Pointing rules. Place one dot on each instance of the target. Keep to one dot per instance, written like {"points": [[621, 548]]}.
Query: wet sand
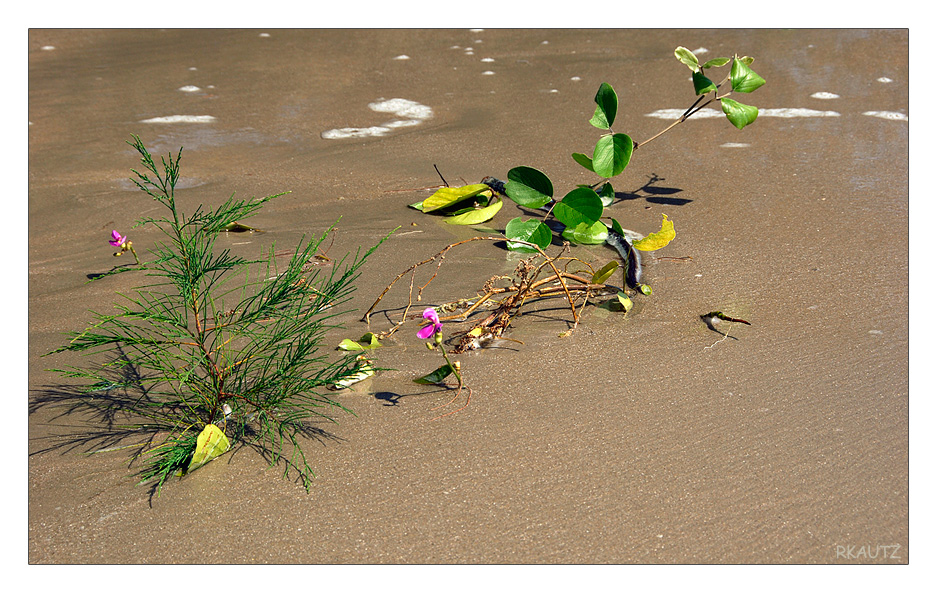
{"points": [[639, 440]]}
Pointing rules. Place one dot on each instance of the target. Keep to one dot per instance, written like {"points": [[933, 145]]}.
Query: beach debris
{"points": [[365, 371], [713, 318]]}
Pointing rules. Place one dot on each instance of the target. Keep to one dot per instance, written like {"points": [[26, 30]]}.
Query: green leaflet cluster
{"points": [[581, 210]]}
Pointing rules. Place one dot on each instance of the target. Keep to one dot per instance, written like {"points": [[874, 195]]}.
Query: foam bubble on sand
{"points": [[475, 30], [487, 73], [884, 79], [409, 113], [355, 132], [892, 115], [796, 112], [263, 35], [677, 113], [575, 78], [700, 50], [487, 59], [734, 145], [180, 119], [707, 113], [402, 57], [402, 108], [47, 47], [824, 95], [189, 88]]}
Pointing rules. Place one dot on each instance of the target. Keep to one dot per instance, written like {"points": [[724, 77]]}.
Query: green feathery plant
{"points": [[215, 356]]}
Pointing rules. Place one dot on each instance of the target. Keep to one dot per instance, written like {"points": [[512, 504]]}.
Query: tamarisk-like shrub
{"points": [[216, 351]]}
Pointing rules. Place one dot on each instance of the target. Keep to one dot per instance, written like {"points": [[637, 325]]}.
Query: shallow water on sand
{"points": [[648, 439]]}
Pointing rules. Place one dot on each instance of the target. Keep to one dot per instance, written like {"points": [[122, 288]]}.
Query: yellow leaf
{"points": [[657, 240], [602, 275], [211, 443], [447, 196]]}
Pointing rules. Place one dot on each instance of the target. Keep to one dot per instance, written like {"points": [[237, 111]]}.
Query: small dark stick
{"points": [[440, 175], [715, 317]]}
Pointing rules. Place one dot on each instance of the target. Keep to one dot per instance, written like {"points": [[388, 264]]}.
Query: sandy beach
{"points": [[645, 439]]}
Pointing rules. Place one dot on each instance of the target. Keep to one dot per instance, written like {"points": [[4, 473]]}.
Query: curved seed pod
{"points": [[630, 255]]}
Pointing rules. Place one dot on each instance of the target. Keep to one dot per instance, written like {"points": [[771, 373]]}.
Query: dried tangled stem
{"points": [[524, 285]]}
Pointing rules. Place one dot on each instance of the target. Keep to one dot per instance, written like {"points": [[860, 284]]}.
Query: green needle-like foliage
{"points": [[217, 339]]}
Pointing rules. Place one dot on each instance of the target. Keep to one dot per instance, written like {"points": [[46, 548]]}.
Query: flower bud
{"points": [[438, 338]]}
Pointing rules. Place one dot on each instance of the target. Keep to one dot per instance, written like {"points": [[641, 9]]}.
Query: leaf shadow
{"points": [[654, 193]]}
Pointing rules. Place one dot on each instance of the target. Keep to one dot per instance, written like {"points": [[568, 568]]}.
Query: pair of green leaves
{"points": [[580, 211], [612, 151], [446, 197], [743, 79]]}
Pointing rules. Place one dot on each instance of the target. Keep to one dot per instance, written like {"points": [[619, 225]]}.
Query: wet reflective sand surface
{"points": [[640, 440]]}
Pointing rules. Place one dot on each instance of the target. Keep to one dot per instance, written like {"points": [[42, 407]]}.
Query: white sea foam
{"points": [[824, 95], [677, 113], [180, 119], [47, 47], [487, 59], [893, 115], [402, 123], [402, 57], [575, 78], [700, 50], [355, 132], [884, 79], [734, 145], [189, 88], [707, 113], [796, 112], [410, 113], [487, 73], [263, 35], [402, 108]]}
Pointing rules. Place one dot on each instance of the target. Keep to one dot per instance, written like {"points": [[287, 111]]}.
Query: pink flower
{"points": [[117, 240], [434, 327]]}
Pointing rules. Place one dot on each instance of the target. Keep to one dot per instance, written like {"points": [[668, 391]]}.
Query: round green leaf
{"points": [[606, 195], [738, 114], [743, 79], [612, 154], [579, 205], [584, 233], [531, 231], [528, 187], [606, 110]]}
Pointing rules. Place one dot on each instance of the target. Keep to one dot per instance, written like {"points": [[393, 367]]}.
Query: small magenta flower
{"points": [[117, 240], [434, 328], [123, 244]]}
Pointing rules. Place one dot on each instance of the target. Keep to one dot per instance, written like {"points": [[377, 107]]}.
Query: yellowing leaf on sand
{"points": [[657, 240], [211, 443]]}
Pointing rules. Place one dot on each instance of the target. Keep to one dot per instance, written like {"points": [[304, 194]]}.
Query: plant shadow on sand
{"points": [[93, 420], [654, 193]]}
